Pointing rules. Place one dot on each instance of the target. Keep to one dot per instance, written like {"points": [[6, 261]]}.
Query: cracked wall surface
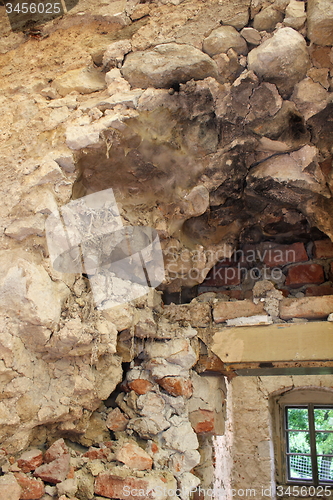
{"points": [[210, 120]]}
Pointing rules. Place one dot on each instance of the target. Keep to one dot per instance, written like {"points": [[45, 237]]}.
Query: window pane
{"points": [[299, 467], [298, 442], [325, 468], [324, 443], [297, 418], [323, 418]]}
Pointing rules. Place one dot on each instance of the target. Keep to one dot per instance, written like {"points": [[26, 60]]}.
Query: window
{"points": [[309, 443], [304, 437]]}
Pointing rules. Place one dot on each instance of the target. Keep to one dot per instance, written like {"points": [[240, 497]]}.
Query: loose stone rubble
{"points": [[210, 120]]}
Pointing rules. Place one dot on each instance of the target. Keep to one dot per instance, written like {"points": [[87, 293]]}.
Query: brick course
{"points": [[323, 249], [307, 307], [230, 310], [305, 274]]}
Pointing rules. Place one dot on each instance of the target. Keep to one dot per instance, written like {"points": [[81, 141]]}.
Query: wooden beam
{"points": [[287, 342]]}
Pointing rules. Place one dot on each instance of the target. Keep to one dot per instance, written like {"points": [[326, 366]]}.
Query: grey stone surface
{"points": [[267, 19], [320, 21], [222, 39], [167, 65], [282, 59]]}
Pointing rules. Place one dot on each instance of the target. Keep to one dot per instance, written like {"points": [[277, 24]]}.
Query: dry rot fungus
{"points": [[211, 123]]}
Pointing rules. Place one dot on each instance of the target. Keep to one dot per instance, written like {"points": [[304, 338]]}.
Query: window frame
{"points": [[296, 398]]}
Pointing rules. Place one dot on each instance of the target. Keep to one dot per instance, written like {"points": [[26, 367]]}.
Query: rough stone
{"points": [[295, 15], [150, 403], [320, 18], [167, 65], [290, 170], [115, 53], [222, 39], [83, 80], [55, 471], [282, 59], [156, 484], [55, 451], [265, 100], [30, 459], [32, 489], [230, 310], [177, 386], [177, 351], [30, 286], [307, 307], [9, 487], [196, 313], [267, 19], [251, 35], [228, 66], [134, 457], [203, 421], [180, 436], [67, 488], [310, 97], [140, 386], [183, 462], [148, 427], [116, 420], [26, 226]]}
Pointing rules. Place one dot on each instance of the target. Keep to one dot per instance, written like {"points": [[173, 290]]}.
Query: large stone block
{"points": [[320, 21], [167, 65], [282, 59], [222, 39]]}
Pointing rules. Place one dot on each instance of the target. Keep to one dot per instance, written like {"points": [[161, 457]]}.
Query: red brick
{"points": [[134, 457], [55, 471], [116, 420], [111, 486], [57, 449], [203, 421], [305, 274], [97, 453], [177, 386], [320, 290], [323, 249], [230, 310], [30, 459], [223, 276], [281, 255], [306, 307], [32, 489], [140, 386], [272, 254]]}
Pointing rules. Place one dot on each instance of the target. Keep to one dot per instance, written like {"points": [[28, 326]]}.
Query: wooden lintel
{"points": [[288, 342]]}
